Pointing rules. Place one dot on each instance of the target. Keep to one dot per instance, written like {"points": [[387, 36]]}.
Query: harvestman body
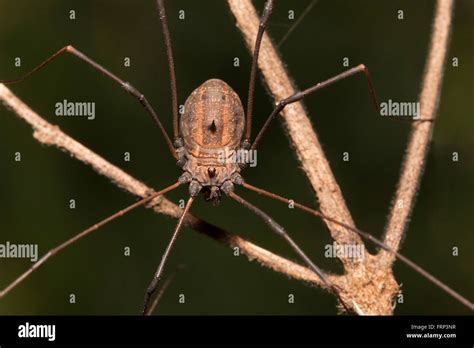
{"points": [[214, 123]]}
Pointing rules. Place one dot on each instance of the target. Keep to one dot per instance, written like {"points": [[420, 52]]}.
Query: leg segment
{"points": [[156, 278], [279, 230], [267, 10], [128, 87], [300, 95], [374, 240], [84, 233], [169, 53]]}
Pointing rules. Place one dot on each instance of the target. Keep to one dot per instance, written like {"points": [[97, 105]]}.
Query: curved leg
{"points": [[128, 87], [300, 95]]}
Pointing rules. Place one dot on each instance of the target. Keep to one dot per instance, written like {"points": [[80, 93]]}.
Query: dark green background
{"points": [[35, 192]]}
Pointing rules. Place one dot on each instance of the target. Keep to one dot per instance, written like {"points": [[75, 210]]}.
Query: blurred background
{"points": [[35, 192]]}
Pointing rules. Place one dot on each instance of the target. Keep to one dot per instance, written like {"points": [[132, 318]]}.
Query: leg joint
{"points": [[362, 67], [291, 99], [70, 48]]}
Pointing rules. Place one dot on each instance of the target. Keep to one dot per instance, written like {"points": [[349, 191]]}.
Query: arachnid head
{"points": [[212, 193]]}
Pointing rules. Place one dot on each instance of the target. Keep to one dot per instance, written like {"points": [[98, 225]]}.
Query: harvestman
{"points": [[213, 123]]}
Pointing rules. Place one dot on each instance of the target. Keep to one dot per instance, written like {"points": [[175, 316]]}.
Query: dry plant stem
{"points": [[49, 134], [298, 125], [371, 283], [382, 284], [368, 288], [421, 132]]}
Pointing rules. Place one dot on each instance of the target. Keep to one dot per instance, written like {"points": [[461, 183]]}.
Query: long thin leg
{"points": [[84, 233], [296, 23], [128, 87], [300, 95], [267, 10], [279, 230], [156, 278], [374, 240], [169, 53]]}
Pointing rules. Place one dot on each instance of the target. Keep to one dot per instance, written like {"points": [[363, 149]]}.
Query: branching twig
{"points": [[369, 285], [421, 132]]}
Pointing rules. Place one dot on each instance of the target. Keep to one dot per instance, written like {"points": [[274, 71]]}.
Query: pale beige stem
{"points": [[421, 132], [370, 284], [367, 287]]}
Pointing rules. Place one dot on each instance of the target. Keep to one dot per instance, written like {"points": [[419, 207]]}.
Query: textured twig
{"points": [[369, 285], [49, 134], [421, 132], [367, 288], [298, 126]]}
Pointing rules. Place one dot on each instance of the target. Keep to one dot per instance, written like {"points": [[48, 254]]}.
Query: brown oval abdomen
{"points": [[213, 119]]}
